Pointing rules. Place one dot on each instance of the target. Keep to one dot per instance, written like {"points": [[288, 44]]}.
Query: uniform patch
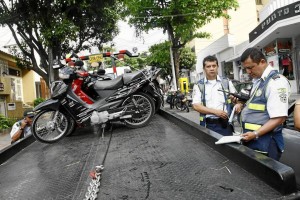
{"points": [[282, 94], [258, 92]]}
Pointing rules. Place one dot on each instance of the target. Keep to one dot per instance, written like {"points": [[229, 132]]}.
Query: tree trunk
{"points": [[176, 63]]}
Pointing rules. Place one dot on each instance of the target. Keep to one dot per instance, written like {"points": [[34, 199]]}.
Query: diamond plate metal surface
{"points": [[159, 161]]}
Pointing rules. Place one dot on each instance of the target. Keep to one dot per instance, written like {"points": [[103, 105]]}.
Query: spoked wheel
{"points": [[177, 103], [50, 126], [145, 110]]}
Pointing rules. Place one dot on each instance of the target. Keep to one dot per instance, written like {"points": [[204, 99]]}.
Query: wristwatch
{"points": [[256, 134]]}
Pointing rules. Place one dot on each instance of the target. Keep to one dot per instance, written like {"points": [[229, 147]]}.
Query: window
{"points": [[3, 68], [16, 89]]}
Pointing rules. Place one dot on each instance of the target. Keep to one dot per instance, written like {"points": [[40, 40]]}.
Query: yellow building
{"points": [[17, 87]]}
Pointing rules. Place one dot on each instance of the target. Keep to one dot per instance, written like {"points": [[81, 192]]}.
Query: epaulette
{"points": [[276, 76]]}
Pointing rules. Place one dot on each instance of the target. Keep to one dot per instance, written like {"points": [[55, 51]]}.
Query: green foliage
{"points": [[6, 122], [187, 59], [181, 19], [135, 63], [160, 57], [50, 28], [38, 101]]}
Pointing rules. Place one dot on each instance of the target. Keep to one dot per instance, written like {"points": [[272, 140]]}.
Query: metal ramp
{"points": [[159, 161]]}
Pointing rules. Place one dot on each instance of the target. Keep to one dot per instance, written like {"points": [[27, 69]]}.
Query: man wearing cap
{"points": [[22, 128]]}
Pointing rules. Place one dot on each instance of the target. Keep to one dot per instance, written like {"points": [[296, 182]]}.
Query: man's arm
{"points": [[277, 107], [297, 115], [17, 130], [266, 128], [204, 110]]}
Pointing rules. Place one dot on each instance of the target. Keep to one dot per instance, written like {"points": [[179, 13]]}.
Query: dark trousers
{"points": [[219, 129], [273, 151]]}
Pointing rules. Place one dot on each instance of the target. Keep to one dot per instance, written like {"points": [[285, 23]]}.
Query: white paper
{"points": [[232, 114], [229, 139]]}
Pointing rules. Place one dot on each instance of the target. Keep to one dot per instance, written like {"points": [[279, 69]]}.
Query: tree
{"points": [[50, 28], [160, 54], [160, 57], [187, 58], [179, 18]]}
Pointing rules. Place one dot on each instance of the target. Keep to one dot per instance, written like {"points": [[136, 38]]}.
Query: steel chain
{"points": [[93, 188]]}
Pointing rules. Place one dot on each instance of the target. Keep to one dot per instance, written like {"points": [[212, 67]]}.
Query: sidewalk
{"points": [[4, 139]]}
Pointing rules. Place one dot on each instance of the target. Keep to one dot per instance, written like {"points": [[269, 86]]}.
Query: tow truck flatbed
{"points": [[159, 161]]}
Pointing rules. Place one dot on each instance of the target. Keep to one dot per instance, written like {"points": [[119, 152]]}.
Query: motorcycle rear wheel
{"points": [[49, 126], [146, 104]]}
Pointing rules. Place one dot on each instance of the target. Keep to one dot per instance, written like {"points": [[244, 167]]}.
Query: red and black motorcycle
{"points": [[79, 100]]}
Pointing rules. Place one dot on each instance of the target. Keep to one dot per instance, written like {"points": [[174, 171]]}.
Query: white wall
{"points": [[243, 20]]}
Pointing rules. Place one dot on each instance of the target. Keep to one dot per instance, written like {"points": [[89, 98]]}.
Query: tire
{"points": [[72, 127], [158, 104], [177, 103], [46, 130], [145, 103]]}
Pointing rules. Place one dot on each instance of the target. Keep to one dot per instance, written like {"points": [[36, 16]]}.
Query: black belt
{"points": [[213, 120]]}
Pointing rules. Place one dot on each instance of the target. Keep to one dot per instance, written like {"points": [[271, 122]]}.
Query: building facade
{"points": [[272, 26], [17, 87]]}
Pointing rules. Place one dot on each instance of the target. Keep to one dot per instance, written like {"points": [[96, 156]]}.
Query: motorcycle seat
{"points": [[131, 76], [113, 84]]}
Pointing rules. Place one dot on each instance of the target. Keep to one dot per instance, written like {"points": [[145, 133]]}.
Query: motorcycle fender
{"points": [[150, 90], [49, 103]]}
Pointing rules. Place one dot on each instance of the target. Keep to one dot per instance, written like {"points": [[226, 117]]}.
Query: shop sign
{"points": [[285, 12]]}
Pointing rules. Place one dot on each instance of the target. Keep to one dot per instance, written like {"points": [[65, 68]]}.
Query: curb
{"points": [[279, 176]]}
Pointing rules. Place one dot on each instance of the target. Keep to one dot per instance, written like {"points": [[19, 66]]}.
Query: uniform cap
{"points": [[28, 113]]}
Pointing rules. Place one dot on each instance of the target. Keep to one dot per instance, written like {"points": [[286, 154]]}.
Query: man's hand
{"points": [[238, 108], [23, 123], [248, 136], [221, 113]]}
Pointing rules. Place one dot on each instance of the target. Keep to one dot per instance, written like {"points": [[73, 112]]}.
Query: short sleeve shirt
{"points": [[16, 127], [214, 98], [277, 94]]}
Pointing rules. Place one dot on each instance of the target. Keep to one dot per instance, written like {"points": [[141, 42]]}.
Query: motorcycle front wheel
{"points": [[49, 126], [145, 107]]}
